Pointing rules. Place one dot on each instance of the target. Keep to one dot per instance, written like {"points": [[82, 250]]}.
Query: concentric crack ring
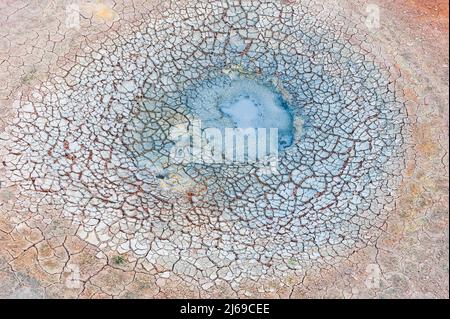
{"points": [[97, 141]]}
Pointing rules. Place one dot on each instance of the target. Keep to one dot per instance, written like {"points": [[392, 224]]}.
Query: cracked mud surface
{"points": [[92, 207]]}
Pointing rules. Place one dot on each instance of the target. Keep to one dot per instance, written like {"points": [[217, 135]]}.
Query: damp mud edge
{"points": [[240, 102]]}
